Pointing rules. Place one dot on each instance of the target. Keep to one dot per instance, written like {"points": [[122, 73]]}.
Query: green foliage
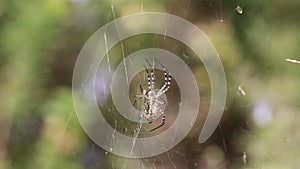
{"points": [[40, 41]]}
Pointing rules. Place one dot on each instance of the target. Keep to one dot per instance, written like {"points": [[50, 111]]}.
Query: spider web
{"points": [[246, 136]]}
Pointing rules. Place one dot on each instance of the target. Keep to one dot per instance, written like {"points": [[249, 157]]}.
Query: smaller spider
{"points": [[152, 102]]}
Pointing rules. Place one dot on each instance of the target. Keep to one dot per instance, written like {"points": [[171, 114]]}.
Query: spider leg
{"points": [[160, 101], [134, 101], [162, 122], [167, 83], [138, 96], [141, 88], [168, 79], [148, 78], [151, 76]]}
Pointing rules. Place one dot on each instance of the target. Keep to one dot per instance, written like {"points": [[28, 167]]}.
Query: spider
{"points": [[152, 101]]}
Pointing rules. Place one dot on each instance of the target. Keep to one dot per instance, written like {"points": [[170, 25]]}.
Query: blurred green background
{"points": [[39, 44]]}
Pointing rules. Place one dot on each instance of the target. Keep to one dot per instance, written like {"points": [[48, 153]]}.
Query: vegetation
{"points": [[40, 41]]}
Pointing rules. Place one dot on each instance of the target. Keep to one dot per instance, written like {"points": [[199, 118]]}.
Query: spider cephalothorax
{"points": [[152, 101]]}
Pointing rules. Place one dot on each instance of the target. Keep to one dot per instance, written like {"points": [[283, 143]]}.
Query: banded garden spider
{"points": [[152, 100]]}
